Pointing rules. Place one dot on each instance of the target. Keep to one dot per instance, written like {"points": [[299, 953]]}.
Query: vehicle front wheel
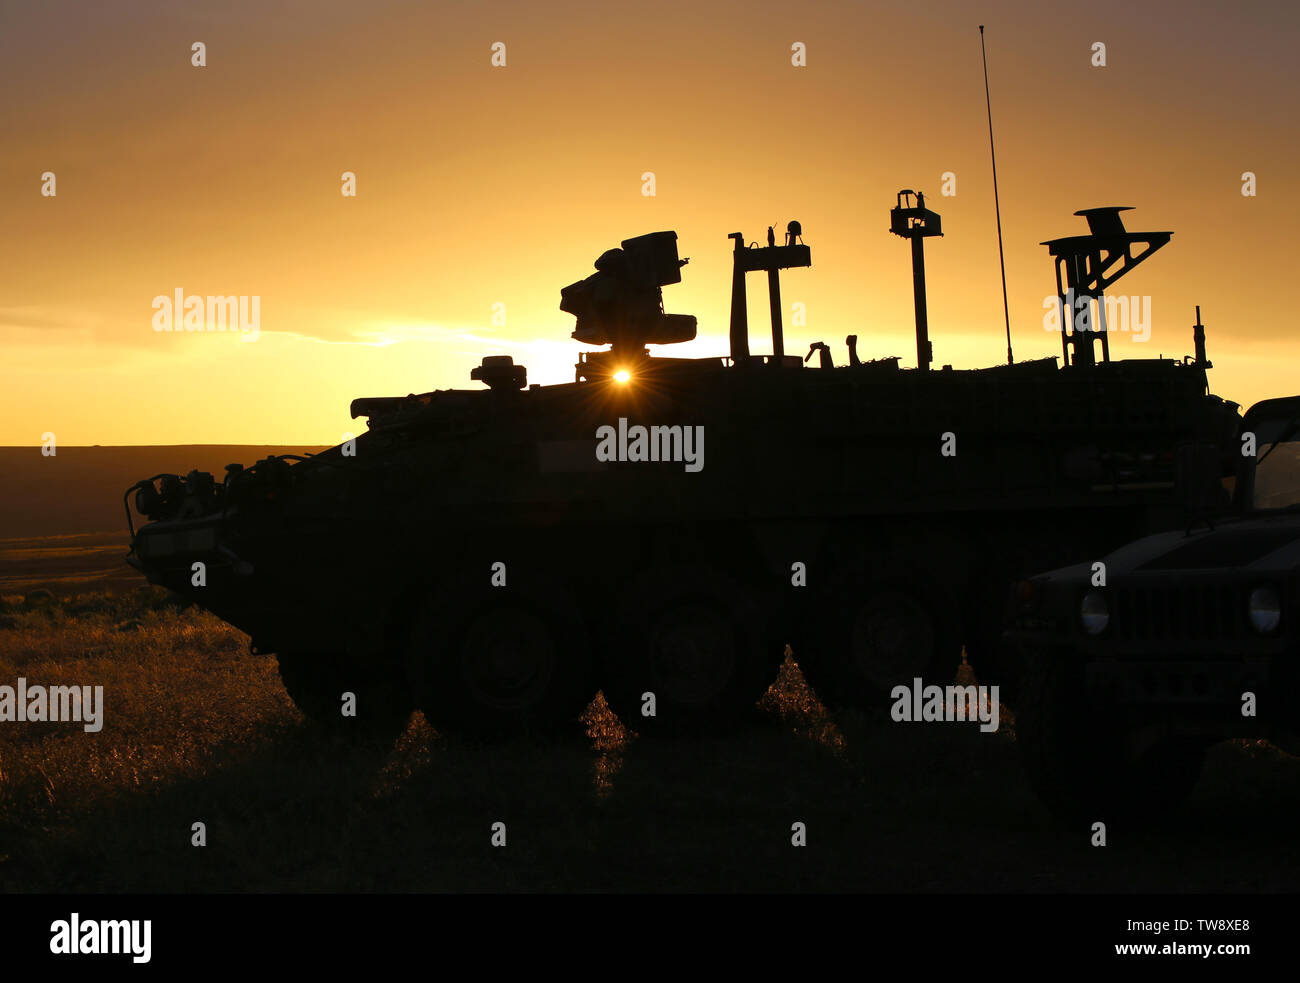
{"points": [[345, 696]]}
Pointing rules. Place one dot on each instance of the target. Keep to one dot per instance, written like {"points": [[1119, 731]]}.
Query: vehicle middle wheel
{"points": [[499, 666], [692, 646]]}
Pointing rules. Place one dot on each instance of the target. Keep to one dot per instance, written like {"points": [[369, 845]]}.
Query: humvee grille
{"points": [[1209, 613]]}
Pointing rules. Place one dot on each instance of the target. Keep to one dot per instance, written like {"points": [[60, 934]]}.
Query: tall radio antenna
{"points": [[997, 208]]}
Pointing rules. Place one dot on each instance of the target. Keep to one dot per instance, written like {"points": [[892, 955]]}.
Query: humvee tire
{"points": [[1079, 756]]}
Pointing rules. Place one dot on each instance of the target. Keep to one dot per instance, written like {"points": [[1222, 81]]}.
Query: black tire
{"points": [[1286, 741], [861, 647], [699, 643], [317, 682], [1078, 755], [502, 662]]}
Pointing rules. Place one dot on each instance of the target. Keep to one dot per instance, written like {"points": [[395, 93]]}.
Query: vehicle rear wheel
{"points": [[500, 665], [320, 683], [692, 646], [1080, 757], [859, 652]]}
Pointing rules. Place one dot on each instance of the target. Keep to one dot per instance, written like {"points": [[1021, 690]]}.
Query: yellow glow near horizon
{"points": [[473, 210], [622, 375]]}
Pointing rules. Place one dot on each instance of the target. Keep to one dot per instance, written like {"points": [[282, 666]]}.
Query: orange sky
{"points": [[481, 185]]}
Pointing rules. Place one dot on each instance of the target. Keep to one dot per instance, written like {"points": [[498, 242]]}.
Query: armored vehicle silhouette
{"points": [[661, 528], [1137, 662]]}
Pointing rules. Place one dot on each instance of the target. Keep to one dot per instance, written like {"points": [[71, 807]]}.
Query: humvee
{"points": [[1134, 664]]}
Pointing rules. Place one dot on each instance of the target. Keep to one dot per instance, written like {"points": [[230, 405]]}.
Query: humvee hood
{"points": [[1264, 543]]}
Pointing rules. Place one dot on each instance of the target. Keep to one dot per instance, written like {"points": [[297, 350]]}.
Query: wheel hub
{"points": [[508, 657], [893, 640], [694, 653]]}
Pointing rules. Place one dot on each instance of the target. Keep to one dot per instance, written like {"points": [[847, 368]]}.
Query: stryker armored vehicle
{"points": [[661, 528], [1136, 662]]}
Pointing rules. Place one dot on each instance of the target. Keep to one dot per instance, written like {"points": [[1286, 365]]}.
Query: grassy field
{"points": [[73, 564], [196, 729]]}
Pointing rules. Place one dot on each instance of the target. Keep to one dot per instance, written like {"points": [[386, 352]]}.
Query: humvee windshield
{"points": [[1277, 468]]}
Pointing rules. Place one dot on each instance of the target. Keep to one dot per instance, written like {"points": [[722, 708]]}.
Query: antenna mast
{"points": [[997, 208]]}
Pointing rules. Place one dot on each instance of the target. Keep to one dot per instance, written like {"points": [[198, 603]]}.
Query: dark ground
{"points": [[198, 730], [79, 489]]}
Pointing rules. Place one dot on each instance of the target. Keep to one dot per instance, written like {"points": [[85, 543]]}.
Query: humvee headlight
{"points": [[1094, 612], [1265, 609]]}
